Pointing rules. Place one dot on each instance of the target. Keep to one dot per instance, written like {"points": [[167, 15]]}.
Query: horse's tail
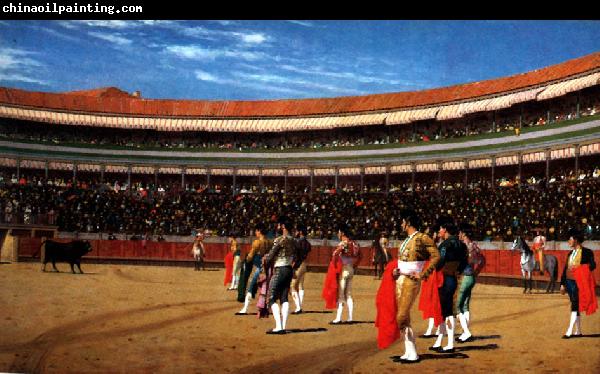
{"points": [[555, 270]]}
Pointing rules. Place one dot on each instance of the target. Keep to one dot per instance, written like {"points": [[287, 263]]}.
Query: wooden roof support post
{"points": [[520, 169], [413, 171], [233, 184], [466, 166], [312, 181], [362, 178], [577, 153], [547, 155], [493, 170], [387, 179]]}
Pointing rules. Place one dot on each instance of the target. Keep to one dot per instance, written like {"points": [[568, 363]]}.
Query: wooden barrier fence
{"points": [[498, 261]]}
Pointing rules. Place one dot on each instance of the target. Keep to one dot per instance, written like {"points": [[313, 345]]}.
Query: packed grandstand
{"points": [[507, 155]]}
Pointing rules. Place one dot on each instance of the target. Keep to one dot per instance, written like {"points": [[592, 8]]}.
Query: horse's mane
{"points": [[524, 245]]}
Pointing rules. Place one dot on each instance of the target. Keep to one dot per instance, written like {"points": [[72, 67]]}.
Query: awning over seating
{"points": [[572, 85]]}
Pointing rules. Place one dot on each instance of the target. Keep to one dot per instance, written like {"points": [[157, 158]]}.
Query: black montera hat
{"points": [[285, 220], [411, 217], [576, 234]]}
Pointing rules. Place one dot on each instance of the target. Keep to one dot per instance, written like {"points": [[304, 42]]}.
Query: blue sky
{"points": [[254, 60]]}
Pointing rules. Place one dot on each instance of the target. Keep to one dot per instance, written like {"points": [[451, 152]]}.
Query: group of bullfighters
{"points": [[422, 270]]}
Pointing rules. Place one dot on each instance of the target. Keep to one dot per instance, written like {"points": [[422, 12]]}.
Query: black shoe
{"points": [[426, 336], [566, 336], [298, 312], [240, 314], [435, 349], [451, 350], [335, 323], [469, 339]]}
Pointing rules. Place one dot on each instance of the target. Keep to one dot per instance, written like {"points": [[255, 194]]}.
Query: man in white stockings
{"points": [[303, 248], [414, 251], [453, 261], [349, 252], [281, 258], [577, 280]]}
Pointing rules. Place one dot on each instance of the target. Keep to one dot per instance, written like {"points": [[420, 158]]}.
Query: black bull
{"points": [[66, 252]]}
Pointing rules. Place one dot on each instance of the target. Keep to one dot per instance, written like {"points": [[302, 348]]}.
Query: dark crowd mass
{"points": [[496, 213]]}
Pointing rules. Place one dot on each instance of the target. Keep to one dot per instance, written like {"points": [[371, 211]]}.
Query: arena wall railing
{"points": [[500, 260]]}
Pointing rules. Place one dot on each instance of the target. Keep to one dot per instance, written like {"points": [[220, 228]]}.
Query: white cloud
{"points": [[253, 38], [200, 53], [204, 76], [349, 76], [16, 77], [69, 24], [263, 86], [197, 32], [113, 38], [16, 65], [111, 24], [302, 23], [225, 22], [58, 34], [279, 79], [13, 58], [163, 23], [213, 34]]}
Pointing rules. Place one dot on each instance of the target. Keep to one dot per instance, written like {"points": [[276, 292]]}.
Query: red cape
{"points": [[228, 268], [586, 284], [386, 309], [429, 300], [330, 287]]}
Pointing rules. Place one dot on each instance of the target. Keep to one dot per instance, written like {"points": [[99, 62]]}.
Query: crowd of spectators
{"points": [[507, 120], [567, 200]]}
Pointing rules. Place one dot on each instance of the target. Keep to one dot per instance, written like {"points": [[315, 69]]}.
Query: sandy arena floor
{"points": [[124, 319]]}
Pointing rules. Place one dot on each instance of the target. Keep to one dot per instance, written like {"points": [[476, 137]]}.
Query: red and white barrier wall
{"points": [[499, 261]]}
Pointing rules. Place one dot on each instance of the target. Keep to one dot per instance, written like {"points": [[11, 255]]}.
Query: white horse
{"points": [[529, 264]]}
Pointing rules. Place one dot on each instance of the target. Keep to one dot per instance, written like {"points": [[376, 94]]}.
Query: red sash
{"points": [[586, 285], [385, 321]]}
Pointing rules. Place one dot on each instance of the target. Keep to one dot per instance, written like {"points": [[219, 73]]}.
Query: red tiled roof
{"points": [[100, 92], [114, 101]]}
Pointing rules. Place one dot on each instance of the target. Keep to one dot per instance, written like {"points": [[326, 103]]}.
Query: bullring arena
{"points": [[123, 318], [129, 175]]}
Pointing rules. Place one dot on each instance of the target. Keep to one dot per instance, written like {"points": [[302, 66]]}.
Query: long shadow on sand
{"points": [[441, 356], [486, 337], [68, 273], [314, 329], [486, 347], [352, 322], [585, 336]]}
